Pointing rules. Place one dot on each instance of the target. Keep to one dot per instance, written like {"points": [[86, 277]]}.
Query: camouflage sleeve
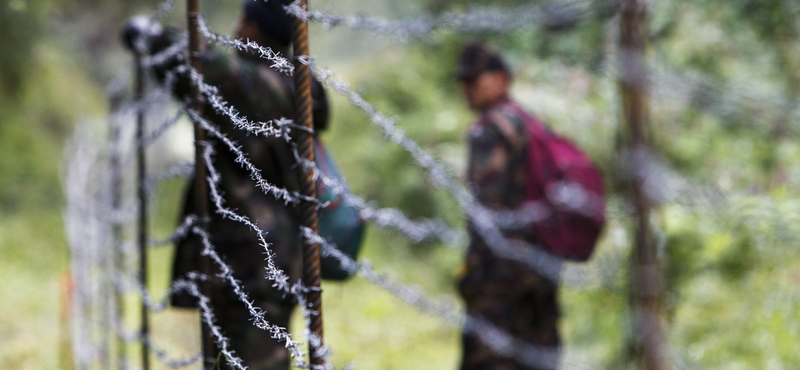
{"points": [[320, 106], [497, 160], [218, 68], [498, 176], [257, 92]]}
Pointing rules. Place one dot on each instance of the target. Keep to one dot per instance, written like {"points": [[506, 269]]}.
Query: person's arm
{"points": [[142, 35], [499, 172], [165, 47], [497, 161], [321, 109]]}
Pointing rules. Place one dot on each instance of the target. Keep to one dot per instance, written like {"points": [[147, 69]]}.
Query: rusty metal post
{"points": [[200, 185], [647, 342], [141, 193], [303, 117]]}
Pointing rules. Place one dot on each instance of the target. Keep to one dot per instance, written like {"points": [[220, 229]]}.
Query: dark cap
{"points": [[476, 58], [271, 18]]}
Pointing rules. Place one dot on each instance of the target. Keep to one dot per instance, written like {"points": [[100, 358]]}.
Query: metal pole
{"points": [[200, 185], [141, 193], [311, 256], [647, 344]]}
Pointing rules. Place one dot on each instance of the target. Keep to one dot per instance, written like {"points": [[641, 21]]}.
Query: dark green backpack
{"points": [[340, 223]]}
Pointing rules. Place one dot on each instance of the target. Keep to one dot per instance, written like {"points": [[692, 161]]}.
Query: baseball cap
{"points": [[476, 58]]}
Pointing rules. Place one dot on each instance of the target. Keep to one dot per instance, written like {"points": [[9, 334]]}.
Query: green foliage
{"points": [[429, 114], [21, 23]]}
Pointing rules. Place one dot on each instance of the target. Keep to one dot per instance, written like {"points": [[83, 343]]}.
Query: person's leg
{"points": [[529, 326], [257, 349], [476, 353]]}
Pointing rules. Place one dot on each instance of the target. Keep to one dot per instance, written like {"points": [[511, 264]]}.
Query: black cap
{"points": [[271, 18], [476, 58]]}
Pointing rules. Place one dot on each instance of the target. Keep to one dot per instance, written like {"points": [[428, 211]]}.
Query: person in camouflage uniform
{"points": [[504, 293], [249, 84]]}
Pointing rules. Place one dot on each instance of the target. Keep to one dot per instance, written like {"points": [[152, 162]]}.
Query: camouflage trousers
{"points": [[257, 349], [528, 313], [244, 255], [536, 347]]}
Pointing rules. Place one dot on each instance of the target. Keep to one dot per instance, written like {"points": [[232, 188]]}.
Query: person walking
{"points": [[504, 293], [260, 93]]}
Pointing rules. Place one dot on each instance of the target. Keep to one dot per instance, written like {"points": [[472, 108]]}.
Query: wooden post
{"points": [[311, 255], [647, 341]]}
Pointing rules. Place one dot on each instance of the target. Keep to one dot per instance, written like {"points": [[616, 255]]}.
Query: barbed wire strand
{"points": [[164, 8], [280, 63], [279, 128], [177, 171], [179, 233], [415, 230], [207, 315], [161, 354], [172, 53], [553, 15], [288, 197], [159, 131]]}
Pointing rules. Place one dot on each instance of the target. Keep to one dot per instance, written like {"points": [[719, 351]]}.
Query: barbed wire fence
{"points": [[101, 207]]}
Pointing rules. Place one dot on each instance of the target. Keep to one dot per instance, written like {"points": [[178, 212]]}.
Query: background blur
{"points": [[724, 116]]}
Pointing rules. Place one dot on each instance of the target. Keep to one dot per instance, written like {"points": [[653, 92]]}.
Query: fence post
{"points": [[141, 194], [647, 342], [200, 185], [118, 263], [311, 254]]}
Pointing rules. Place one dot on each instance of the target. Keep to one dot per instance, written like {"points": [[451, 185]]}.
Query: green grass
{"points": [[30, 327]]}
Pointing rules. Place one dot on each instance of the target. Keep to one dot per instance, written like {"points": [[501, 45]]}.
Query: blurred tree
{"points": [[21, 24]]}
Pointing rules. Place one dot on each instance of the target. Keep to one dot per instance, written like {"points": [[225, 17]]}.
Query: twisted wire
{"points": [[552, 15], [179, 170], [279, 62]]}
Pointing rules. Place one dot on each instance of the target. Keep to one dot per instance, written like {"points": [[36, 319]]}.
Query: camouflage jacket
{"points": [[497, 174], [261, 94]]}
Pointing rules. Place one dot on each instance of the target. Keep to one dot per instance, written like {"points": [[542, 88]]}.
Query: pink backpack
{"points": [[564, 179]]}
